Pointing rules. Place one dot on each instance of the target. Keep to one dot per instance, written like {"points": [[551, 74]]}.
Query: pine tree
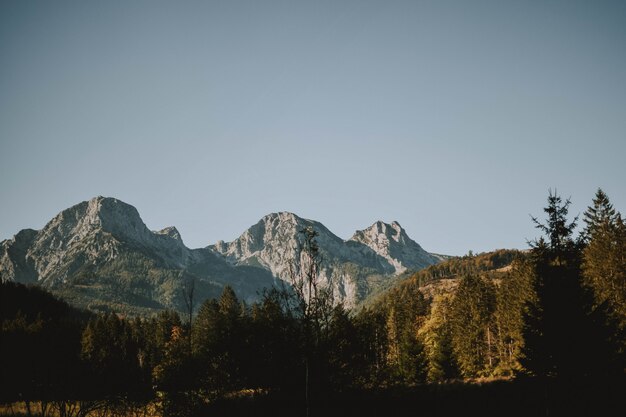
{"points": [[561, 337], [513, 294], [435, 335], [560, 246], [206, 328], [598, 216], [473, 336], [604, 256]]}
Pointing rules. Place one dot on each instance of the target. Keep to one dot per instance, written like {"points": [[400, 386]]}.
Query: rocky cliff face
{"points": [[14, 264], [391, 242], [379, 250], [272, 242], [92, 232]]}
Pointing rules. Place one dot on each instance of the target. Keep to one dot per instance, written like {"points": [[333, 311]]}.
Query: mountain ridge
{"points": [[102, 245]]}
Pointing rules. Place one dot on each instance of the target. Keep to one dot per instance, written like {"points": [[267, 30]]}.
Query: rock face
{"points": [[95, 231], [100, 252], [14, 264], [92, 232], [380, 250], [391, 242]]}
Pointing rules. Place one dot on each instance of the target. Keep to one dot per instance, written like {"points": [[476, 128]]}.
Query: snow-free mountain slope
{"points": [[101, 252], [391, 242], [380, 250]]}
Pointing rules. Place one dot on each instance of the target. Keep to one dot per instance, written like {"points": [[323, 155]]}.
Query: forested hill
{"points": [[444, 276]]}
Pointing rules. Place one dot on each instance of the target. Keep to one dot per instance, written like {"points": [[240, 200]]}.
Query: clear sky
{"points": [[451, 117]]}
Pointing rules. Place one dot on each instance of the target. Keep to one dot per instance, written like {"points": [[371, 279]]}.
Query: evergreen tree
{"points": [[561, 246], [604, 256], [206, 328], [176, 376], [218, 341], [561, 337], [372, 346], [473, 336], [111, 353], [436, 338], [513, 294], [274, 358]]}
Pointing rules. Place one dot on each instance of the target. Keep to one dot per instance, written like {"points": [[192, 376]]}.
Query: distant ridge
{"points": [[99, 254]]}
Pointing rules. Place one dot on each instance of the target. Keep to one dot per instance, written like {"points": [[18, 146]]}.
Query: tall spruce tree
{"points": [[473, 335], [561, 337], [435, 335], [550, 325], [512, 296], [604, 256]]}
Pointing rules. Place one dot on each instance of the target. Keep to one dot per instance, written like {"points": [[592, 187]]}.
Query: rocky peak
{"points": [[96, 231], [100, 213], [271, 244], [393, 243], [275, 229], [172, 232], [118, 218], [380, 234]]}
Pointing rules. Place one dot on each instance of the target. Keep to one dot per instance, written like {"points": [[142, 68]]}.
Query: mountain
{"points": [[100, 255], [352, 267], [391, 242]]}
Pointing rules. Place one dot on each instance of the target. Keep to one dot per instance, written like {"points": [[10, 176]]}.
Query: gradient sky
{"points": [[451, 117]]}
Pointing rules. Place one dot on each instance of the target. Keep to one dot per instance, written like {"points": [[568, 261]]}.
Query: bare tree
{"points": [[311, 300]]}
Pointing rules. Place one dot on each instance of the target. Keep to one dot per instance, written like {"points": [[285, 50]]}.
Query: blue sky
{"points": [[451, 117]]}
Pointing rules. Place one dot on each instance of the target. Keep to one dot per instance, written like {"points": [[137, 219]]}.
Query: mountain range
{"points": [[100, 255]]}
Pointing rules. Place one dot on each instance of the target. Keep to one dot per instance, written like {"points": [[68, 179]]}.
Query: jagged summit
{"points": [[381, 249], [383, 232], [170, 231], [98, 214], [271, 241], [393, 243], [92, 232]]}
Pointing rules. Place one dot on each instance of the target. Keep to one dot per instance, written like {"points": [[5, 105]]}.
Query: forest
{"points": [[535, 332]]}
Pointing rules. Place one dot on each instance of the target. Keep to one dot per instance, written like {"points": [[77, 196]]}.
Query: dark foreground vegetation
{"points": [[520, 397], [534, 333]]}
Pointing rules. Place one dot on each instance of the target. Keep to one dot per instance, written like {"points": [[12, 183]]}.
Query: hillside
{"points": [[443, 277]]}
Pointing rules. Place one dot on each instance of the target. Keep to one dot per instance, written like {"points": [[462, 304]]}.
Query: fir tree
{"points": [[561, 337], [436, 338], [604, 256], [473, 336]]}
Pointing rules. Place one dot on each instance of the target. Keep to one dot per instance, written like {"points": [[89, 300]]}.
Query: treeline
{"points": [[469, 263], [72, 364], [558, 310]]}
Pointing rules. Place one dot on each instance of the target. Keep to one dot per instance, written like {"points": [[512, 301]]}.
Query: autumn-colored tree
{"points": [[436, 338], [473, 330]]}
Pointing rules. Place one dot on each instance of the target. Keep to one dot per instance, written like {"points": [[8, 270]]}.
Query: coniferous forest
{"points": [[540, 331]]}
